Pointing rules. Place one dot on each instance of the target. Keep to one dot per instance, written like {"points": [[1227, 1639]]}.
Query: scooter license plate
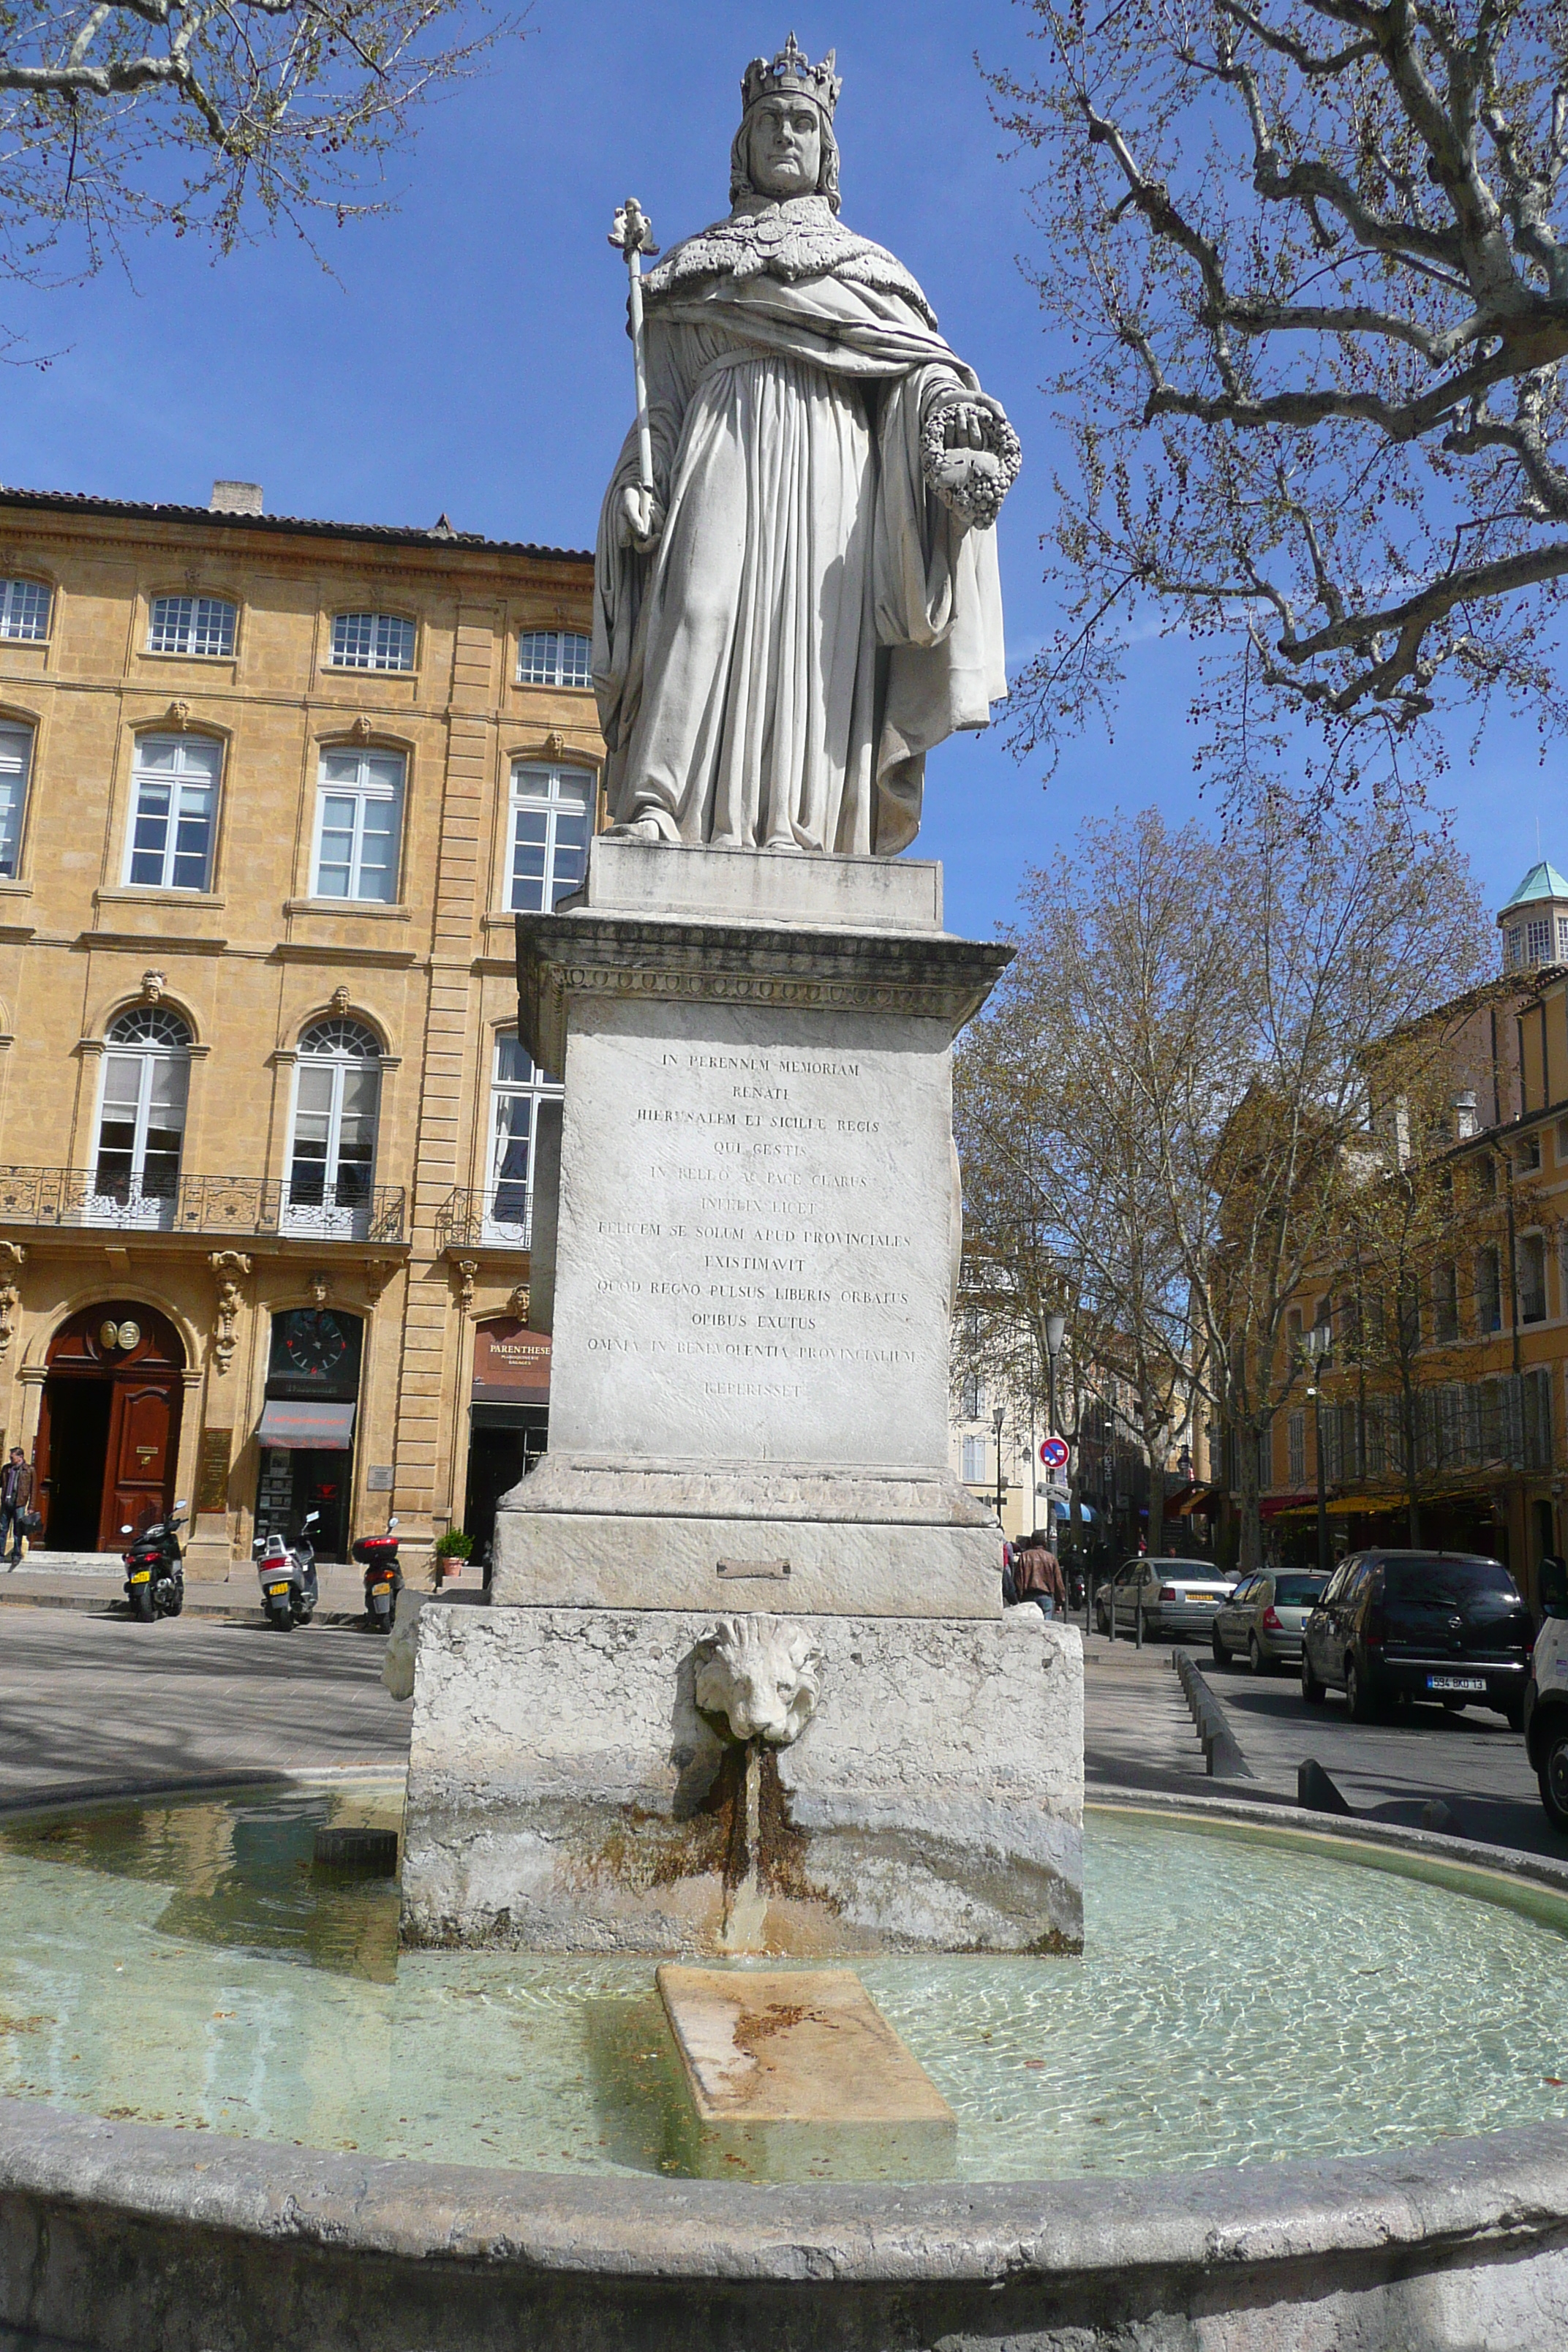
{"points": [[141, 1576], [379, 1589], [274, 1589]]}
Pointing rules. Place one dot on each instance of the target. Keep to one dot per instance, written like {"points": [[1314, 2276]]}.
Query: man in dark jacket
{"points": [[15, 1502]]}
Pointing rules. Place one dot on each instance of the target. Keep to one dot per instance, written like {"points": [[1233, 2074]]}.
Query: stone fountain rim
{"points": [[1506, 2188]]}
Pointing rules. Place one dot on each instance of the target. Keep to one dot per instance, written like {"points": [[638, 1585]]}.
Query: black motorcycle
{"points": [[155, 1569]]}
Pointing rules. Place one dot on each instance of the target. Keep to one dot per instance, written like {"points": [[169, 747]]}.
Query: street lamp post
{"points": [[1055, 1326], [997, 1420], [1320, 1346]]}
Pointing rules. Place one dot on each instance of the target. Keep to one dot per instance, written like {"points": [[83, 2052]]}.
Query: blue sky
{"points": [[469, 356]]}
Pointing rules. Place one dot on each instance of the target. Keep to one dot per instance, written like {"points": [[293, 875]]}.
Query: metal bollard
{"points": [[1138, 1621]]}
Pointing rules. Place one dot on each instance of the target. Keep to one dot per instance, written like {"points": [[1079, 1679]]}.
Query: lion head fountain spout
{"points": [[760, 1676]]}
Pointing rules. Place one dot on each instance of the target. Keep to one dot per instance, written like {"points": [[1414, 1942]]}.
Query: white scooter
{"points": [[290, 1590]]}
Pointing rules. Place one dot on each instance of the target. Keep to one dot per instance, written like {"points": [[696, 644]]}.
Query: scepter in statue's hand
{"points": [[641, 514]]}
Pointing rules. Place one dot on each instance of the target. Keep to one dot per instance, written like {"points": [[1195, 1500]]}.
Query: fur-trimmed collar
{"points": [[799, 239]]}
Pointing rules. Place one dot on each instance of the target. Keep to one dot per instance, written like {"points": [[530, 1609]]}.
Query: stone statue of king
{"points": [[808, 600]]}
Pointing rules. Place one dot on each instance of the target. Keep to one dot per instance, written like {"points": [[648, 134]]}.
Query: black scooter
{"points": [[377, 1555], [155, 1569], [290, 1588]]}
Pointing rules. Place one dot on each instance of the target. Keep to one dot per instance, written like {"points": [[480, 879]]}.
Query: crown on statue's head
{"points": [[791, 75]]}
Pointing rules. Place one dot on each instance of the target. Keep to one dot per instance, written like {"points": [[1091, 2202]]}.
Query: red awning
{"points": [[1274, 1506], [307, 1427]]}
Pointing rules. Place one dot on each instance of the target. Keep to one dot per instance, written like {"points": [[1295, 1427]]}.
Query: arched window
{"points": [[517, 1089], [142, 1118], [199, 625], [554, 658], [372, 641], [332, 1154], [16, 760]]}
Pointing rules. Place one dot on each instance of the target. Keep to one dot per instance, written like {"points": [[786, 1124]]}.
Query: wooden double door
{"points": [[109, 1436]]}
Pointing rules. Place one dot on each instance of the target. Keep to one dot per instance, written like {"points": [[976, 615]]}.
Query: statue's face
{"points": [[785, 150]]}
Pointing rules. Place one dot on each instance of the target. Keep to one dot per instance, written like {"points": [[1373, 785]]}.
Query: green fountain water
{"points": [[1242, 1998]]}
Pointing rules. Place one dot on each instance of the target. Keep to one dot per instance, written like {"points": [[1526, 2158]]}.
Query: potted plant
{"points": [[450, 1551]]}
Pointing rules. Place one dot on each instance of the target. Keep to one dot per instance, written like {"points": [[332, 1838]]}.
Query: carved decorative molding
{"points": [[555, 745], [341, 1000], [12, 1257], [361, 730], [231, 1268], [377, 1272], [518, 1302], [152, 986], [320, 1285], [466, 1269], [761, 1675], [179, 716]]}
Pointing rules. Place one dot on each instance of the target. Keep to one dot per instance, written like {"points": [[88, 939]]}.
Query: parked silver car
{"points": [[1262, 1620], [1179, 1596]]}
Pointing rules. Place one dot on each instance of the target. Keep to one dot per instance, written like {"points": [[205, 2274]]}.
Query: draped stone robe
{"points": [[813, 620]]}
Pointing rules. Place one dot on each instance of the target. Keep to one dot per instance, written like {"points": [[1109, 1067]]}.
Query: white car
{"points": [[1179, 1596]]}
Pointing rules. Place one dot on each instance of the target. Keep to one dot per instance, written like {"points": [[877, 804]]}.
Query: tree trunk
{"points": [[1250, 1559], [1156, 1504]]}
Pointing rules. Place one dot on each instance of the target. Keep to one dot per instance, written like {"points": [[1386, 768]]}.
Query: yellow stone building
{"points": [[270, 794]]}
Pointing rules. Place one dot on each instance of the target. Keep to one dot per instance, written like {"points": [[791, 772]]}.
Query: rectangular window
{"points": [[1445, 1304], [358, 825], [517, 1090], [175, 812], [1537, 939], [1515, 946], [1489, 1291], [554, 658], [1266, 1457], [203, 626], [16, 758], [551, 818], [1528, 1159], [24, 611], [973, 1398], [974, 1471], [1532, 1278], [1296, 1436], [1562, 938], [372, 641]]}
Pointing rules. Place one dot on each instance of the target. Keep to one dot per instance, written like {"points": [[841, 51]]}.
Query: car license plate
{"points": [[274, 1589], [1471, 1683], [379, 1589], [141, 1576]]}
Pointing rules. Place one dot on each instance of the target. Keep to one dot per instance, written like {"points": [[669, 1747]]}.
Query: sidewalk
{"points": [[94, 1582]]}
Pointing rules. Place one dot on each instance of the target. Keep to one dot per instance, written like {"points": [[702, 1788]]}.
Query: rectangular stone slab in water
{"points": [[793, 2074]]}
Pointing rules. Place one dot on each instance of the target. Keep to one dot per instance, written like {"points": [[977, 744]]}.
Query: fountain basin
{"points": [[114, 2231]]}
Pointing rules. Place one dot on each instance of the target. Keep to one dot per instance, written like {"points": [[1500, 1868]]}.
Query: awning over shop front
{"points": [[314, 1427], [1202, 1501], [1279, 1506]]}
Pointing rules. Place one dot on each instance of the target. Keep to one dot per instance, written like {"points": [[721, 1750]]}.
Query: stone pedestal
{"points": [[746, 1235]]}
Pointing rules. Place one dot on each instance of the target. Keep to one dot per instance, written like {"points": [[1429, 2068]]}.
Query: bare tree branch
{"points": [[1312, 258], [209, 117]]}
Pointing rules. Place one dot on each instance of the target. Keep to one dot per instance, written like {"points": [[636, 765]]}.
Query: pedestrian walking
{"points": [[1037, 1576], [16, 1506]]}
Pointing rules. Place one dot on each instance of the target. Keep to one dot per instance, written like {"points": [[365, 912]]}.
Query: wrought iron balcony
{"points": [[69, 1198], [500, 1218]]}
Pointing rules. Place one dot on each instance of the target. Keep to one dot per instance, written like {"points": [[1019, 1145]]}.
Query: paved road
{"points": [[90, 1703], [1138, 1734]]}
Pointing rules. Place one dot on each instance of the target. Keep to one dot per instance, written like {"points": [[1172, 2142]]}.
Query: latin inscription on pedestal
{"points": [[766, 1276]]}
